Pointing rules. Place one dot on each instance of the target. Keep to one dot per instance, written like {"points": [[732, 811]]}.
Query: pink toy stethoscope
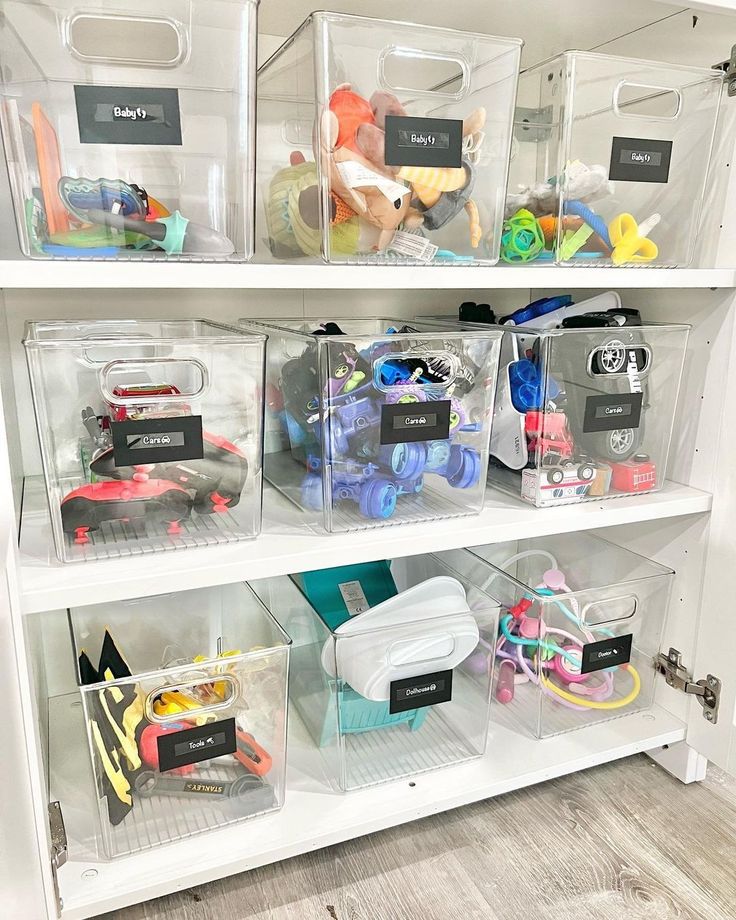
{"points": [[555, 653]]}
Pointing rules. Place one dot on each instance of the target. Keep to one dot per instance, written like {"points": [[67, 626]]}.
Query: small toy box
{"points": [[150, 433], [609, 162], [585, 401], [387, 674], [385, 142], [129, 128], [185, 705], [580, 625], [373, 421]]}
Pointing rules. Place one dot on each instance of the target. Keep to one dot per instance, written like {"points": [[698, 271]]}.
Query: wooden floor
{"points": [[619, 842]]}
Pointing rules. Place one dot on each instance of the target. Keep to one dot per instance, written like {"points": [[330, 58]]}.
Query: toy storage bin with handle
{"points": [[387, 674], [130, 134], [610, 160], [373, 421], [150, 433], [585, 399], [185, 702], [580, 626], [385, 142]]}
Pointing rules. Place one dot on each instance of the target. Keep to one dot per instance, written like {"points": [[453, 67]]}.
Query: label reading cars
{"points": [[191, 745], [609, 412], [412, 141], [634, 159], [157, 440], [606, 654], [419, 421], [128, 115], [417, 692]]}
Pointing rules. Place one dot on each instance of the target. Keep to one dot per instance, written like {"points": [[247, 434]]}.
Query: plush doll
{"points": [[366, 185]]}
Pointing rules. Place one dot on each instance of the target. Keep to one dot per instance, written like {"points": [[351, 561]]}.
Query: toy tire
{"points": [[556, 476], [408, 460], [378, 499], [312, 492], [616, 445], [610, 358], [586, 472], [438, 456], [463, 468]]}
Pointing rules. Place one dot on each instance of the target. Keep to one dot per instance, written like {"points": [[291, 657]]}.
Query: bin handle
{"points": [[619, 106], [445, 357], [399, 644], [194, 713], [417, 54], [137, 400], [584, 613], [146, 22]]}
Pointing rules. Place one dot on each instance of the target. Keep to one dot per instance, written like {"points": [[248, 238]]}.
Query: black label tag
{"points": [[191, 745], [128, 115], [157, 440], [634, 159], [423, 141], [417, 692], [607, 413], [427, 421], [606, 654]]}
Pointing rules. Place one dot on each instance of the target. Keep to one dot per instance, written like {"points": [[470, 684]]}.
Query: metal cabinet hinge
{"points": [[707, 692], [58, 846], [533, 125], [729, 71]]}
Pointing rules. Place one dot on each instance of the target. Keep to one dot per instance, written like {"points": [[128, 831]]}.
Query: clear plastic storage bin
{"points": [[373, 421], [387, 673], [185, 705], [385, 142], [129, 128], [583, 414], [150, 433], [580, 626], [610, 159]]}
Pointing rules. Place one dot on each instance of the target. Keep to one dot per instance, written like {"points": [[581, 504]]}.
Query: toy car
{"points": [[638, 474], [119, 412], [155, 501], [568, 482], [549, 438], [215, 481]]}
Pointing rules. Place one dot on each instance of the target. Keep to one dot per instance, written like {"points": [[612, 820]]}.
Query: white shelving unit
{"points": [[688, 525]]}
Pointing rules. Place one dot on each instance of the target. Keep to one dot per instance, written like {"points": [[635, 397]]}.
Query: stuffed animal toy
{"points": [[365, 184]]}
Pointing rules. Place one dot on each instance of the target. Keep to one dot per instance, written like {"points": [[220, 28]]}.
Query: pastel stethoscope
{"points": [[554, 652]]}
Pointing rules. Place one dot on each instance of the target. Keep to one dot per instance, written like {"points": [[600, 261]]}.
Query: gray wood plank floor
{"points": [[620, 841]]}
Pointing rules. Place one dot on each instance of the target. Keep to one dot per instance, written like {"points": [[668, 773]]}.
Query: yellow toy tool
{"points": [[629, 239]]}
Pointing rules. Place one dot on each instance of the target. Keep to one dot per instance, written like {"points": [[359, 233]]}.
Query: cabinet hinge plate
{"points": [[533, 125], [729, 71], [58, 846], [707, 691]]}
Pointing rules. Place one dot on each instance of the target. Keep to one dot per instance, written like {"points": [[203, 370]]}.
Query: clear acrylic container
{"points": [[580, 625], [610, 159], [150, 433], [582, 414], [401, 688], [384, 424], [188, 731], [385, 142], [129, 131]]}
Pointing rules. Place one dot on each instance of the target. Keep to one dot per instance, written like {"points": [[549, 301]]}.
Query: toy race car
{"points": [[153, 402], [142, 504], [215, 481]]}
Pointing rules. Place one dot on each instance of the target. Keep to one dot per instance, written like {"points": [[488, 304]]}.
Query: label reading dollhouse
{"points": [[128, 115], [417, 692]]}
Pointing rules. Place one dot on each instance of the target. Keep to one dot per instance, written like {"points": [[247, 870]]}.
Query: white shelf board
{"points": [[131, 275], [289, 543], [313, 815]]}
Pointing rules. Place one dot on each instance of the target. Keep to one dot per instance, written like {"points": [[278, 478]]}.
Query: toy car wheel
{"points": [[621, 442], [610, 358], [408, 459], [378, 499], [586, 472], [463, 468], [556, 476], [312, 492]]}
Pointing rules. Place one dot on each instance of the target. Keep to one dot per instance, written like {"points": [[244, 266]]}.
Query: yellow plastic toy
{"points": [[629, 239]]}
